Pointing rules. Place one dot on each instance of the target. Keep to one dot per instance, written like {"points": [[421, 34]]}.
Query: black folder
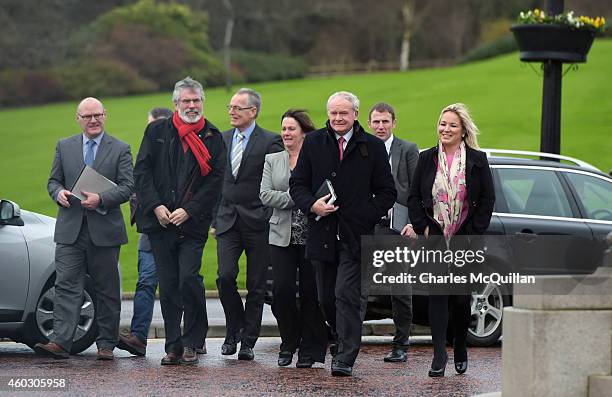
{"points": [[325, 189], [399, 217]]}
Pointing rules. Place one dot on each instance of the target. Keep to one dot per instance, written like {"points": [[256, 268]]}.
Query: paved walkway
{"points": [[225, 375]]}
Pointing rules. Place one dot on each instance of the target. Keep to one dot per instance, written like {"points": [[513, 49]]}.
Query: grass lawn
{"points": [[504, 95]]}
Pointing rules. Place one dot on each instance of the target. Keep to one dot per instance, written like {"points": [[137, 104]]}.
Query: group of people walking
{"points": [[257, 192]]}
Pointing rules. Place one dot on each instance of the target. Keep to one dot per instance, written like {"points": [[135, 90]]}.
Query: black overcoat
{"points": [[161, 178], [480, 193], [362, 181]]}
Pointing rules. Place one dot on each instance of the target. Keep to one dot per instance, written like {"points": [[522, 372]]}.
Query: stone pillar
{"points": [[555, 340]]}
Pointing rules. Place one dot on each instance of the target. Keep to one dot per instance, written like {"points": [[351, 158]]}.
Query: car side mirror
{"points": [[10, 213]]}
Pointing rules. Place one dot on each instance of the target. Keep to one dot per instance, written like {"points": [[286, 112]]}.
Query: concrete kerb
{"points": [[269, 328], [209, 294]]}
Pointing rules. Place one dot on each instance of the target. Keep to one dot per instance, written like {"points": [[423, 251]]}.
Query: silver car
{"points": [[27, 269]]}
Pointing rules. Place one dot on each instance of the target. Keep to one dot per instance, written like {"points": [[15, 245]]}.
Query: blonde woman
{"points": [[452, 194]]}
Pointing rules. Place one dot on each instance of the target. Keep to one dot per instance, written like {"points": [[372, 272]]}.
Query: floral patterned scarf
{"points": [[449, 191]]}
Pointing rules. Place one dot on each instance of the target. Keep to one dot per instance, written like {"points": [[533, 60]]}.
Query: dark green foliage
{"points": [[26, 87], [162, 42], [100, 77], [257, 66], [501, 46]]}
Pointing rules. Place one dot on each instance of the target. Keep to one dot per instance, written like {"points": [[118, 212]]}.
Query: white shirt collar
{"points": [[347, 136], [388, 144]]}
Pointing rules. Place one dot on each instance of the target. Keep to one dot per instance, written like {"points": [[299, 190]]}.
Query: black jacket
{"points": [[480, 193], [362, 181], [164, 175]]}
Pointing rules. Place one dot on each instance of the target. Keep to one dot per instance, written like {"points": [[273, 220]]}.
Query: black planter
{"points": [[540, 43]]}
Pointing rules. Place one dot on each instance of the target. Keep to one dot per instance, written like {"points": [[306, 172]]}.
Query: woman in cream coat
{"points": [[301, 326]]}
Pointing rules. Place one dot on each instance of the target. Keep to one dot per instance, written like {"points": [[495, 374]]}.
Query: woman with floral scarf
{"points": [[452, 194]]}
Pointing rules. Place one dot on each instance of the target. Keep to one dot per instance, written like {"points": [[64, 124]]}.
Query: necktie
{"points": [[237, 154], [89, 154], [341, 147]]}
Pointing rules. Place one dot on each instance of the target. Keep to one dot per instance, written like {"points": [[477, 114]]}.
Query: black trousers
{"points": [[301, 326], [243, 323], [401, 301], [178, 259], [439, 318], [339, 291]]}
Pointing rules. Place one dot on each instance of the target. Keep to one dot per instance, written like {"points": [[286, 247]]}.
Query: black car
{"points": [[536, 195]]}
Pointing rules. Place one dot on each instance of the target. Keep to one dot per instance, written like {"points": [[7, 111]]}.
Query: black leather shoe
{"points": [[338, 368], [437, 372], [461, 366], [284, 358], [461, 359], [227, 349], [397, 355], [304, 362], [246, 353]]}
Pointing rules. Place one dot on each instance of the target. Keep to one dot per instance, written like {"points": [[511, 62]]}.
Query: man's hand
{"points": [[178, 217], [213, 232], [92, 200], [321, 208], [162, 213], [409, 232], [62, 198]]}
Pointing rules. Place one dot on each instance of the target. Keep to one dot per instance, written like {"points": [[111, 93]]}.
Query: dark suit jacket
{"points": [[362, 181], [480, 193], [240, 195], [404, 157], [114, 161], [159, 179]]}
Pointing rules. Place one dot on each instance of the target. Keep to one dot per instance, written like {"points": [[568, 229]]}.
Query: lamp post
{"points": [[550, 139]]}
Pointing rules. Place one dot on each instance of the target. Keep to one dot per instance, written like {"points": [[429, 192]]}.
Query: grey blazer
{"points": [[274, 193], [404, 157], [114, 161]]}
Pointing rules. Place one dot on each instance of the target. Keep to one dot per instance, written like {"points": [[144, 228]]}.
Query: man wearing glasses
{"points": [[88, 232], [178, 175], [241, 223]]}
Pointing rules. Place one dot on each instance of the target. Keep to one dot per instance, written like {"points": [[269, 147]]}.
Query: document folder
{"points": [[399, 217], [89, 180], [325, 189]]}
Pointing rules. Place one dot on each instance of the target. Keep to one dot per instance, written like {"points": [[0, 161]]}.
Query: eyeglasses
{"points": [[196, 101], [96, 116], [238, 108]]}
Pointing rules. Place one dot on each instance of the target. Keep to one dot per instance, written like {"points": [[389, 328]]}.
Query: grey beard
{"points": [[188, 119]]}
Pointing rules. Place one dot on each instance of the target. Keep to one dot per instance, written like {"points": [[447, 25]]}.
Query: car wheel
{"points": [[40, 328], [487, 307]]}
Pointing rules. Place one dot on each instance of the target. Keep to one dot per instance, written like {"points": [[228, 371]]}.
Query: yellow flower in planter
{"points": [[538, 16]]}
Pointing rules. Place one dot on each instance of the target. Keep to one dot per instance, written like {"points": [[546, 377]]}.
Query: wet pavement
{"points": [[225, 375]]}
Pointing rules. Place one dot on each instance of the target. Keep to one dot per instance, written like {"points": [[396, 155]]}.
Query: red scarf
{"points": [[188, 134]]}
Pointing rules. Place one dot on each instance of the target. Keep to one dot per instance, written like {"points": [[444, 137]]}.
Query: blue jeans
{"points": [[144, 298]]}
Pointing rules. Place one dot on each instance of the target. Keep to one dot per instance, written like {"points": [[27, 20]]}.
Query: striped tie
{"points": [[237, 154], [89, 154]]}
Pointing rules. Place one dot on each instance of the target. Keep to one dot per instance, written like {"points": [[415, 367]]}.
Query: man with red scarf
{"points": [[178, 176]]}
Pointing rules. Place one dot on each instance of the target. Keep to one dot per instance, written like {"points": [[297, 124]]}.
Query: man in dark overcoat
{"points": [[356, 164], [178, 172]]}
